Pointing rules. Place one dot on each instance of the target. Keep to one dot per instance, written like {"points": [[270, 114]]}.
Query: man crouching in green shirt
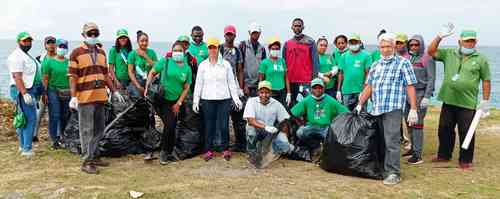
{"points": [[319, 111], [464, 69]]}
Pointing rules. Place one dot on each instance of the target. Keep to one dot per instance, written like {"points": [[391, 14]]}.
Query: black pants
{"points": [[450, 117], [169, 119], [239, 130], [279, 95]]}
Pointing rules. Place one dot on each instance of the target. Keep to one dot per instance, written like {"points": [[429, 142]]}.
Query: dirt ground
{"points": [[56, 174]]}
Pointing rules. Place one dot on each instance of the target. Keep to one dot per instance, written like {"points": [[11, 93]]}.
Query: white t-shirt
{"points": [[18, 61], [267, 114]]}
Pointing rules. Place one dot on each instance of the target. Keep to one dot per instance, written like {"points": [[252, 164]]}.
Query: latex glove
{"points": [[238, 104], [484, 106], [334, 71], [196, 107], [358, 108], [447, 30], [118, 97], [339, 96], [240, 92], [321, 75], [28, 100], [288, 99], [73, 103], [271, 129], [425, 102], [412, 117]]}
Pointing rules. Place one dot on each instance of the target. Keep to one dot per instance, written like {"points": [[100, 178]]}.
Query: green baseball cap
{"points": [[317, 81], [23, 35], [121, 33], [468, 34], [264, 84], [354, 36], [183, 38]]}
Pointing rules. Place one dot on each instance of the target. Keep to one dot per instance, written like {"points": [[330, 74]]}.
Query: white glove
{"points": [[447, 30], [196, 107], [28, 100], [321, 75], [271, 129], [118, 97], [358, 109], [339, 96], [412, 117], [334, 71], [425, 102], [288, 99], [484, 105], [73, 103], [240, 92], [238, 104]]}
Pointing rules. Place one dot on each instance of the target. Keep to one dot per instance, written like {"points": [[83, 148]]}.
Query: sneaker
{"points": [[27, 154], [100, 163], [56, 146], [35, 139], [316, 155], [415, 160], [392, 179], [408, 153], [439, 159], [226, 155], [89, 168], [20, 149], [208, 155], [465, 166], [164, 159], [148, 156]]}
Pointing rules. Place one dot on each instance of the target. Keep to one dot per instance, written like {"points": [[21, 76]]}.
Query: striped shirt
{"points": [[89, 68], [389, 79]]}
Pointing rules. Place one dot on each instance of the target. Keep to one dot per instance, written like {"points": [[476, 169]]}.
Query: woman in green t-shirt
{"points": [[327, 68], [140, 62], [117, 59], [56, 83], [273, 69], [175, 78]]}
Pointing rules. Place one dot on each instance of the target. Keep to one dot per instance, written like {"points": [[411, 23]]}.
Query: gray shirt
{"points": [[267, 114]]}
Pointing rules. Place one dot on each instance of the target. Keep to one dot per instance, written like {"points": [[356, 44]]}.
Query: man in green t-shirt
{"points": [[354, 66], [198, 48], [319, 111], [464, 69]]}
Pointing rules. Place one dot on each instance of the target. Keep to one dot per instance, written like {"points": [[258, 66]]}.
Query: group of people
{"points": [[287, 92]]}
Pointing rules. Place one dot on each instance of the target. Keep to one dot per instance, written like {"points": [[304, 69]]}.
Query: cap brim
{"points": [[25, 37], [122, 35], [317, 84], [467, 38], [266, 87]]}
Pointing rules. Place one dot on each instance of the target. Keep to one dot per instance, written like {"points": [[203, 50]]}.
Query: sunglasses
{"points": [[51, 42], [93, 33]]}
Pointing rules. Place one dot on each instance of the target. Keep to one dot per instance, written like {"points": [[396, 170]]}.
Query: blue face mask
{"points": [[355, 47], [61, 51], [467, 51], [91, 40], [178, 56]]}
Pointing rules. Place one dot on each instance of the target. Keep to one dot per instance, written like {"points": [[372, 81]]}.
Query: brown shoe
{"points": [[100, 163], [89, 168]]}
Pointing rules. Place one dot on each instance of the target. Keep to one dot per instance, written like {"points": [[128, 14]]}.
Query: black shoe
{"points": [[415, 160], [35, 139], [148, 156], [89, 168], [300, 153], [56, 146], [167, 158], [408, 153], [316, 154]]}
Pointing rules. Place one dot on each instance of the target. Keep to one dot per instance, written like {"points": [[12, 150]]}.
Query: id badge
{"points": [[98, 83], [455, 77], [301, 88]]}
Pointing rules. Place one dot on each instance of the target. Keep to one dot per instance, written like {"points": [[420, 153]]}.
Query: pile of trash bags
{"points": [[354, 146], [189, 135]]}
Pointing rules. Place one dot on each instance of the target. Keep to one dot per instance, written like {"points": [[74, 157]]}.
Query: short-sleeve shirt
{"points": [[177, 76], [140, 62], [326, 63], [471, 70], [89, 68], [318, 113], [354, 67], [119, 59], [274, 72], [268, 114], [199, 51], [232, 55], [57, 71]]}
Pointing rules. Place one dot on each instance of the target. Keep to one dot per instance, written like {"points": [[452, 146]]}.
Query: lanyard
{"points": [[93, 55]]}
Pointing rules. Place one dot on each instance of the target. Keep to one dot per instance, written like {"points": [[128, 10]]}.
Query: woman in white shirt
{"points": [[215, 87]]}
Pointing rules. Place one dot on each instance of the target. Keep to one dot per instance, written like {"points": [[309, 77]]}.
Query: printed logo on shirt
{"points": [[357, 63]]}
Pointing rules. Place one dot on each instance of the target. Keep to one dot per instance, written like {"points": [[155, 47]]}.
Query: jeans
{"points": [[169, 119], [26, 133], [311, 136], [417, 131], [450, 117], [91, 126], [216, 122], [389, 124], [350, 100], [58, 114], [134, 91], [280, 143]]}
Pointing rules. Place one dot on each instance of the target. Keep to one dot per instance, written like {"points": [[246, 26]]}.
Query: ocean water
{"points": [[7, 46]]}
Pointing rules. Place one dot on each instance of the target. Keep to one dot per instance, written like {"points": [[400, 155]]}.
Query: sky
{"points": [[167, 19]]}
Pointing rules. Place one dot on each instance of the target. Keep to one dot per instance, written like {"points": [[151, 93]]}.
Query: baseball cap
{"points": [[273, 40], [49, 38], [317, 81], [230, 29], [212, 41], [254, 27], [354, 36], [401, 37], [121, 33], [468, 34], [89, 26], [183, 38], [264, 84], [61, 42], [23, 35]]}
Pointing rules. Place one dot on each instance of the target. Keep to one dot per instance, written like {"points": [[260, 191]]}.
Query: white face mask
{"points": [[387, 57], [355, 47], [274, 53], [61, 51], [91, 40], [178, 56]]}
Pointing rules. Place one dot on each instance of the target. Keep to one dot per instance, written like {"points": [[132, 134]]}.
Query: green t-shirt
{"points": [[318, 113], [119, 59], [337, 54], [376, 55], [199, 51], [274, 72], [326, 63], [57, 70], [354, 67], [465, 90], [177, 76], [141, 63]]}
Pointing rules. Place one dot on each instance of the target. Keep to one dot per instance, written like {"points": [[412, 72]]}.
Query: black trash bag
{"points": [[354, 146], [124, 135], [71, 134], [119, 107], [151, 139], [189, 136]]}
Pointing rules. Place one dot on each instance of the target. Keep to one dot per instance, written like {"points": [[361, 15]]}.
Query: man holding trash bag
{"points": [[464, 69], [389, 82]]}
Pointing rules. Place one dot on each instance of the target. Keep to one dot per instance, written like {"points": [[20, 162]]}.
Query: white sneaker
{"points": [[20, 149], [392, 179], [28, 154]]}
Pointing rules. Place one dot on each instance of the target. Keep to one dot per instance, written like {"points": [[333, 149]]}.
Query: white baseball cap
{"points": [[254, 27]]}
